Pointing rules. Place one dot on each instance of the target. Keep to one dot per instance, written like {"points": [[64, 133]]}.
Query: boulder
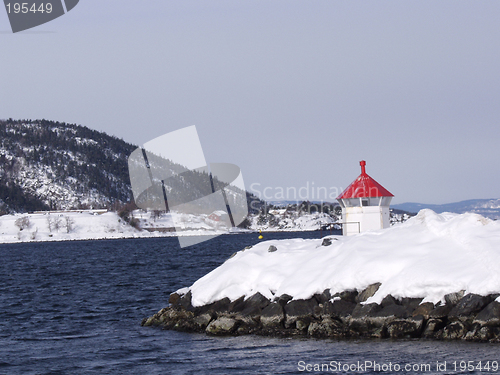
{"points": [[455, 330], [272, 249], [338, 308], [468, 306], [251, 306], [327, 327], [301, 311], [432, 327], [368, 292], [395, 311], [323, 297], [185, 301], [283, 299], [424, 309], [411, 304], [363, 311], [174, 299], [221, 326], [388, 300], [219, 306], [202, 321], [272, 316], [440, 312], [405, 328], [479, 333], [168, 317], [453, 298], [348, 295], [363, 322], [490, 315], [326, 241]]}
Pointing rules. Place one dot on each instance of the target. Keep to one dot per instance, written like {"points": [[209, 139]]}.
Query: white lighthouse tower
{"points": [[365, 205]]}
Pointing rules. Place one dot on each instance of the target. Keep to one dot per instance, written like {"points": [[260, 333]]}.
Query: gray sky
{"points": [[296, 93]]}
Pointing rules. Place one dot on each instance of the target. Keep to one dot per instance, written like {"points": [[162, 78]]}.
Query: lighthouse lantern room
{"points": [[365, 205]]}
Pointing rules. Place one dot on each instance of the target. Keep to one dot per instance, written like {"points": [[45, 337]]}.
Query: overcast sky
{"points": [[296, 93]]}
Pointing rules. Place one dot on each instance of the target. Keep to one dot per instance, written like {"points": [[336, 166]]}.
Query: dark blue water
{"points": [[76, 308]]}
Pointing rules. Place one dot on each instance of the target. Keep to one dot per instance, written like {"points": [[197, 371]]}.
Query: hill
{"points": [[487, 207], [49, 165]]}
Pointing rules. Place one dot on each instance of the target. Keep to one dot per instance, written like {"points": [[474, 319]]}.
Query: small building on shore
{"points": [[365, 205]]}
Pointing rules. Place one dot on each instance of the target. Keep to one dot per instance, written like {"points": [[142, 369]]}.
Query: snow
{"points": [[428, 256], [94, 225]]}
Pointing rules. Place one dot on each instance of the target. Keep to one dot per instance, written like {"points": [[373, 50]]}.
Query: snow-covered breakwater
{"points": [[434, 276]]}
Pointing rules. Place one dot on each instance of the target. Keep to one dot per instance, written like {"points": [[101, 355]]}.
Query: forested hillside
{"points": [[51, 165]]}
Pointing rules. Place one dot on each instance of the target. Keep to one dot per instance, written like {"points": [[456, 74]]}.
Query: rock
{"points": [[174, 299], [424, 309], [323, 297], [168, 317], [283, 299], [468, 305], [395, 311], [348, 295], [301, 311], [388, 300], [272, 249], [327, 327], [433, 326], [326, 242], [490, 315], [455, 330], [363, 311], [202, 321], [221, 305], [223, 325], [471, 317], [440, 312], [406, 328], [185, 301], [251, 306], [411, 304], [453, 298], [368, 292], [338, 308], [363, 323], [272, 316], [237, 305], [246, 325], [485, 333], [479, 333]]}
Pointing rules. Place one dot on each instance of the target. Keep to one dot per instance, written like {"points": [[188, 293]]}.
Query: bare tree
{"points": [[23, 223], [54, 222], [69, 223]]}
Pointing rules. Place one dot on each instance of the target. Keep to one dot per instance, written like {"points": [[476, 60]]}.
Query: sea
{"points": [[76, 308]]}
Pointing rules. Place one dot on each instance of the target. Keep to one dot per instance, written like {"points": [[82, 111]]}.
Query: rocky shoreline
{"points": [[344, 315]]}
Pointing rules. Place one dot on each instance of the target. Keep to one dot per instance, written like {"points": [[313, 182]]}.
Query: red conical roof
{"points": [[364, 186]]}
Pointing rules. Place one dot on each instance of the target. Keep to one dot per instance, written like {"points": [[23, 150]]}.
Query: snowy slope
{"points": [[88, 225], [428, 256]]}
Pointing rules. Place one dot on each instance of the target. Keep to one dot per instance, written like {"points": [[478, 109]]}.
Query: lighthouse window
{"points": [[365, 202]]}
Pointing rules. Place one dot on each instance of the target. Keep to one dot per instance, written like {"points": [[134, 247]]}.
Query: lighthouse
{"points": [[365, 205]]}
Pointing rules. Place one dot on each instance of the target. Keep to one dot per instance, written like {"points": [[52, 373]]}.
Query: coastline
{"points": [[345, 315], [434, 276]]}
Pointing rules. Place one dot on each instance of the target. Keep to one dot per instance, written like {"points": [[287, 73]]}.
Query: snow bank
{"points": [[428, 256]]}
